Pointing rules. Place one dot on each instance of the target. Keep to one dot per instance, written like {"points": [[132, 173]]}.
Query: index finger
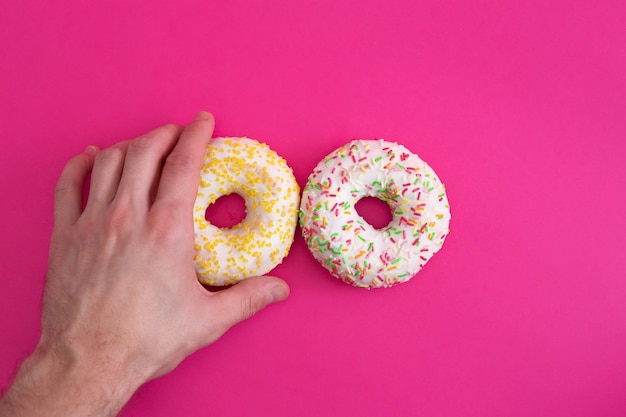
{"points": [[180, 177]]}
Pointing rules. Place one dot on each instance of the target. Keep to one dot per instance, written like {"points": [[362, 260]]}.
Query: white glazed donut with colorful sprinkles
{"points": [[271, 194], [344, 243]]}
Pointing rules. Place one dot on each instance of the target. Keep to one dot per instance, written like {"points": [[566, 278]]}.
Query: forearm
{"points": [[50, 385]]}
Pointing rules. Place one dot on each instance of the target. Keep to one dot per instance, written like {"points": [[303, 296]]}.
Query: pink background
{"points": [[518, 106]]}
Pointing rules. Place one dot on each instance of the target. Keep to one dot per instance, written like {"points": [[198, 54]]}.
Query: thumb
{"points": [[244, 300]]}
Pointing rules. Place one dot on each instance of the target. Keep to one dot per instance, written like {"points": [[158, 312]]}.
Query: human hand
{"points": [[122, 304]]}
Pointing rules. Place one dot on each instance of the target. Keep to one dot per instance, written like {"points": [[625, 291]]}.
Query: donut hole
{"points": [[227, 211], [374, 211]]}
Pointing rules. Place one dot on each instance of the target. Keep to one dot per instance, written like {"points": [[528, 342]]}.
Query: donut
{"points": [[224, 256], [344, 243]]}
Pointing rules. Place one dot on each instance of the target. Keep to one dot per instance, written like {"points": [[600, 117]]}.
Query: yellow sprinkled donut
{"points": [[261, 241]]}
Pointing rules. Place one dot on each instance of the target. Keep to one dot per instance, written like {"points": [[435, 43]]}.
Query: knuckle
{"points": [[120, 217], [63, 237], [172, 128], [251, 304], [85, 233], [64, 185], [112, 155], [140, 145], [179, 163], [163, 226], [161, 216], [165, 132]]}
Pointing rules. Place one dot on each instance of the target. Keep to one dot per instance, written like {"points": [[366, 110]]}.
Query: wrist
{"points": [[52, 382]]}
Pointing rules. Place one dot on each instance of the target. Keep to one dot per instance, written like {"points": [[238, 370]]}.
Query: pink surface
{"points": [[518, 106]]}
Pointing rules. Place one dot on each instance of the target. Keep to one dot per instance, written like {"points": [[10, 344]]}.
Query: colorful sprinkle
{"points": [[355, 252]]}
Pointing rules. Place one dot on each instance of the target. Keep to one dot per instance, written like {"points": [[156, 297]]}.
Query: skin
{"points": [[122, 304]]}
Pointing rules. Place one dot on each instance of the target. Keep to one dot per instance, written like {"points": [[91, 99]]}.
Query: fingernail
{"points": [[278, 293], [203, 115], [91, 150]]}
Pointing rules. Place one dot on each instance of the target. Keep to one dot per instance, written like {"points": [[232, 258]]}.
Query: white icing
{"points": [[261, 241], [350, 248]]}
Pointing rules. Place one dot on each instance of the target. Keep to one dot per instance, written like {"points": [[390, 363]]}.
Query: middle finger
{"points": [[144, 160]]}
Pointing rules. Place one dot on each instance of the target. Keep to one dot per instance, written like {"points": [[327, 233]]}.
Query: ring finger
{"points": [[106, 174]]}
